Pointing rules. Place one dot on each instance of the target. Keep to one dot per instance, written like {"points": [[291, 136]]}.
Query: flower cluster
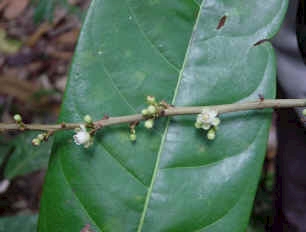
{"points": [[208, 120], [39, 139], [82, 136], [153, 111]]}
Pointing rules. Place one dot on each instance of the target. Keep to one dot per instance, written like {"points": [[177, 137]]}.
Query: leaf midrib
{"points": [[155, 171]]}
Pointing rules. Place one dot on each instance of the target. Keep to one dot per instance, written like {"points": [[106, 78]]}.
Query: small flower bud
{"points": [[133, 137], [149, 124], [304, 112], [145, 112], [17, 118], [36, 142], [132, 131], [216, 122], [151, 109], [211, 134], [41, 137], [151, 100], [87, 119], [198, 124]]}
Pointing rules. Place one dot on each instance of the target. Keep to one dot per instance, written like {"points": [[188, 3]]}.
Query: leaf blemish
{"points": [[86, 228], [261, 97], [221, 22]]}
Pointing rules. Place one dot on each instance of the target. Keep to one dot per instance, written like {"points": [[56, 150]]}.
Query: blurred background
{"points": [[37, 42]]}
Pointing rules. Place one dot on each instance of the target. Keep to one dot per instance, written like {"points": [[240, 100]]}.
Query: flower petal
{"points": [[206, 126], [216, 121]]}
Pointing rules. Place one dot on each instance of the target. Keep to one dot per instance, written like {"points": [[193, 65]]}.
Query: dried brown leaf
{"points": [[14, 8], [69, 37], [63, 55], [3, 4], [21, 89], [41, 30]]}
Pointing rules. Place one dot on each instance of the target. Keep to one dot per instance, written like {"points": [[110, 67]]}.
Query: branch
{"points": [[170, 111]]}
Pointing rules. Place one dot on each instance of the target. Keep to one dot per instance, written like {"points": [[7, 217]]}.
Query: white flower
{"points": [[82, 137], [207, 118]]}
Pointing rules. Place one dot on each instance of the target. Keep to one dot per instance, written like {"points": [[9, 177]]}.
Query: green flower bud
{"points": [[211, 134], [151, 100], [304, 112], [151, 109], [36, 142], [132, 131], [87, 119], [41, 137], [216, 122], [133, 137], [17, 118], [198, 124], [149, 124], [145, 112]]}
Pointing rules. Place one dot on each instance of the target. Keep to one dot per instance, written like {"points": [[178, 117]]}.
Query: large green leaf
{"points": [[172, 179]]}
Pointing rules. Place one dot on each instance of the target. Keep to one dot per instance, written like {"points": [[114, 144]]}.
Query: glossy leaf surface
{"points": [[172, 178]]}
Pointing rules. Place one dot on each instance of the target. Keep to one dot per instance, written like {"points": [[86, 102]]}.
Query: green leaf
{"points": [[26, 158], [24, 223], [44, 10], [4, 149], [172, 178]]}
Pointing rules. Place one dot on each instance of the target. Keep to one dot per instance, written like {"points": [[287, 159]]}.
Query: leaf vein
{"points": [[116, 88], [148, 39], [233, 206], [77, 198], [135, 177], [218, 161]]}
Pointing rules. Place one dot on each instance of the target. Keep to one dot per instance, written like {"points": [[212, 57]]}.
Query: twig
{"points": [[171, 111]]}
